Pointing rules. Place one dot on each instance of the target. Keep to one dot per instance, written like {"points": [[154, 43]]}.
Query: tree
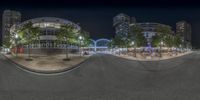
{"points": [[169, 40], [156, 40], [28, 34], [162, 34], [86, 37], [83, 38], [162, 31], [119, 42], [136, 35], [177, 40], [6, 42], [67, 33], [111, 44]]}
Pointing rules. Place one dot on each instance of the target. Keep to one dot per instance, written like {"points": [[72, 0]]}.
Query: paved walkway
{"points": [[106, 77], [165, 56], [47, 63]]}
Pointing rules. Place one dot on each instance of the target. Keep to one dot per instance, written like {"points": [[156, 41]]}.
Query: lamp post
{"points": [[16, 43], [66, 48], [180, 48], [161, 44], [133, 44], [80, 40]]}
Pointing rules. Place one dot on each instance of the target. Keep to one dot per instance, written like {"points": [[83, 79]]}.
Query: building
{"points": [[9, 18], [121, 23], [149, 29], [47, 42], [184, 29]]}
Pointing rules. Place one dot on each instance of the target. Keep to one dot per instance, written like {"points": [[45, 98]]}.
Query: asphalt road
{"points": [[106, 77]]}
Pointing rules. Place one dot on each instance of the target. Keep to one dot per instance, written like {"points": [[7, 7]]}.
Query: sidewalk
{"points": [[47, 63], [149, 58]]}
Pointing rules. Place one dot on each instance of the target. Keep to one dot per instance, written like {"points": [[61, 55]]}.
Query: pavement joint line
{"points": [[46, 74]]}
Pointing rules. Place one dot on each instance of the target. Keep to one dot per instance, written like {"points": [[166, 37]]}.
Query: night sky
{"points": [[96, 16]]}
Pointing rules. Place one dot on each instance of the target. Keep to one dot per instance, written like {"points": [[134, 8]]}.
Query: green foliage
{"points": [[156, 40], [86, 38], [66, 33], [70, 34], [163, 30], [177, 40], [169, 40], [140, 40], [137, 36], [163, 33], [6, 42], [119, 42], [28, 33], [111, 44]]}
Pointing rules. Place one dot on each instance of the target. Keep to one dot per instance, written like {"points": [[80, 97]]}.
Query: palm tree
{"points": [[67, 33], [28, 33]]}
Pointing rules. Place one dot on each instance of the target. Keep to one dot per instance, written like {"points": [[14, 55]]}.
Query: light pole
{"points": [[161, 43], [133, 44], [80, 40], [16, 43], [180, 48]]}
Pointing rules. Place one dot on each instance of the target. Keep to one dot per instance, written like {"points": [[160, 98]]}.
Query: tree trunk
{"points": [[28, 51], [160, 51], [134, 51], [80, 50], [66, 50]]}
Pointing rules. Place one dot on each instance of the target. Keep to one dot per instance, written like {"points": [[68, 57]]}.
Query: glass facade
{"points": [[49, 27], [47, 24]]}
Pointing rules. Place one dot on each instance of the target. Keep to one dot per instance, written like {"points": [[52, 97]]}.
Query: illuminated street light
{"points": [[16, 36], [16, 43], [161, 44], [133, 44], [80, 37], [80, 40]]}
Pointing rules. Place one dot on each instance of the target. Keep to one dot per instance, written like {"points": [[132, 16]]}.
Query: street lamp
{"points": [[16, 36], [133, 44], [80, 40], [161, 44], [16, 43], [180, 48]]}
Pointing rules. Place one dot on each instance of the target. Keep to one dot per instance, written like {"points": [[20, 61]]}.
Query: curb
{"points": [[45, 72], [151, 60]]}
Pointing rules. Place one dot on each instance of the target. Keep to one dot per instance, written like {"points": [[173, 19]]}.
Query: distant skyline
{"points": [[98, 19]]}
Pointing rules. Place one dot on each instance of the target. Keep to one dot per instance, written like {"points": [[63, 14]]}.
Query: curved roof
{"points": [[103, 39], [48, 19]]}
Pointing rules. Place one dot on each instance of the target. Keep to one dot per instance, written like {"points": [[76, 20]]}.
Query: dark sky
{"points": [[96, 16]]}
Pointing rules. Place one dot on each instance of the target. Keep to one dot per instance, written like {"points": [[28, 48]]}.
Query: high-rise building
{"points": [[184, 29], [9, 18], [121, 23]]}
